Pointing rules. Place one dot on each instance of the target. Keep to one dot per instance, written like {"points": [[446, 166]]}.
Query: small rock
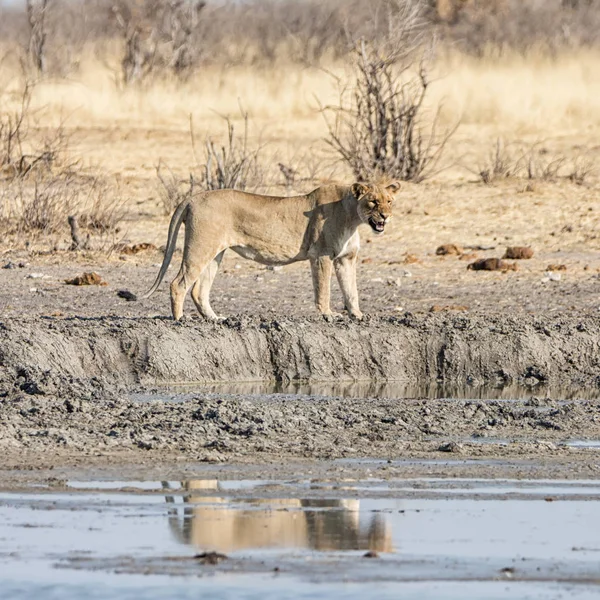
{"points": [[551, 276], [9, 265], [394, 281], [406, 273], [210, 558], [555, 267], [274, 268], [36, 276], [127, 295], [453, 447], [371, 554]]}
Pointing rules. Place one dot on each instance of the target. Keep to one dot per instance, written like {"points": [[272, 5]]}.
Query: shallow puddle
{"points": [[367, 389], [434, 538]]}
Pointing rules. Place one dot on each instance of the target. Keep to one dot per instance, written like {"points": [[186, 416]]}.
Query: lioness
{"points": [[320, 227]]}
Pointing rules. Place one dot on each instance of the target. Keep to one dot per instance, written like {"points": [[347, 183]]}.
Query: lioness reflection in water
{"points": [[214, 523]]}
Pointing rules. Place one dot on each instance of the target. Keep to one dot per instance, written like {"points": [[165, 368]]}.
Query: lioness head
{"points": [[375, 203]]}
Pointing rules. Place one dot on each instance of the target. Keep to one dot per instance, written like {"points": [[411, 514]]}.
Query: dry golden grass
{"points": [[532, 99]]}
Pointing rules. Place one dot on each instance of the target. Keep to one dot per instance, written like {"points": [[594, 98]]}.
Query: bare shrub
{"points": [[41, 186], [384, 128], [581, 169], [232, 165], [533, 162], [38, 33], [171, 190], [501, 163], [159, 36]]}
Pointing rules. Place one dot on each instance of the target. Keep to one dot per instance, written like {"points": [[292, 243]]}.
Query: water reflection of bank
{"points": [[219, 523]]}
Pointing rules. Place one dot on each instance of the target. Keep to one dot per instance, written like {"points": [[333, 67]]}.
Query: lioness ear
{"points": [[359, 189], [393, 187]]}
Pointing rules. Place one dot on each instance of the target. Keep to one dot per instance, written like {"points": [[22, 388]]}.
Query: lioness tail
{"points": [[176, 221]]}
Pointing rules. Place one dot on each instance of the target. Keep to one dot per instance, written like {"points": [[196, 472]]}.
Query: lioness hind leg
{"points": [[201, 289], [189, 273]]}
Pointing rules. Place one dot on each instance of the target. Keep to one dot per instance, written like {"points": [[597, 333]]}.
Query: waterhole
{"points": [[218, 538]]}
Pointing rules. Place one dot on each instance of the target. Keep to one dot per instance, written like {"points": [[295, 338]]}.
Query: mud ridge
{"points": [[91, 356]]}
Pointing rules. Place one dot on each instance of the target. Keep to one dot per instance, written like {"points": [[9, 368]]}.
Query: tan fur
{"points": [[320, 227]]}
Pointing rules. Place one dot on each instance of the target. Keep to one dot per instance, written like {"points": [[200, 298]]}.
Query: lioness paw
{"points": [[331, 316]]}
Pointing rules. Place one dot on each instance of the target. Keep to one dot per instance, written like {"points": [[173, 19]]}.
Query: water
{"points": [[473, 538], [367, 389]]}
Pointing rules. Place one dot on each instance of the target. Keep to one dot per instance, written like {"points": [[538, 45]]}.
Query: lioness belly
{"points": [[279, 256]]}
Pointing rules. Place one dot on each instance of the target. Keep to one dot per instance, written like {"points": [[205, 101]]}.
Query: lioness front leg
{"points": [[345, 270], [321, 276]]}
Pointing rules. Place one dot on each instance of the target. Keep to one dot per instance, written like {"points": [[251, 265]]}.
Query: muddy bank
{"points": [[227, 428], [93, 356]]}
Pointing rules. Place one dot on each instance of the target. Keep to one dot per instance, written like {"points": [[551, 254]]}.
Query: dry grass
{"points": [[126, 133]]}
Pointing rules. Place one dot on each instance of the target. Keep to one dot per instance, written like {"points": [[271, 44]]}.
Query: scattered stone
{"points": [[210, 558], [492, 264], [406, 273], [518, 252], [397, 281], [89, 278], [36, 276], [274, 268], [448, 308], [551, 276], [9, 265], [452, 447], [127, 295], [135, 248], [371, 554], [411, 259], [508, 572], [446, 249], [555, 267]]}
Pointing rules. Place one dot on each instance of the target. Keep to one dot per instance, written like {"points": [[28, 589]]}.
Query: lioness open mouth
{"points": [[377, 226]]}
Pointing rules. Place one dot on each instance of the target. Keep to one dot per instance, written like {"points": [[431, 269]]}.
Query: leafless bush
{"points": [[384, 128], [533, 162], [232, 165], [499, 164], [173, 190], [581, 169], [158, 36], [41, 186], [38, 33]]}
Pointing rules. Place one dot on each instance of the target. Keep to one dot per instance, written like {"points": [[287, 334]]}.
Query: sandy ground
{"points": [[400, 277]]}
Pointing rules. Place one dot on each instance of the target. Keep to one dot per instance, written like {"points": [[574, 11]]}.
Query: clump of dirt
{"points": [[136, 248], [492, 264], [225, 427], [411, 259], [518, 252], [556, 267], [127, 295], [448, 308], [448, 249], [88, 278]]}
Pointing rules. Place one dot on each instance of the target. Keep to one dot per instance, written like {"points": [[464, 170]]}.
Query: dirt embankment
{"points": [[90, 357], [64, 386]]}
